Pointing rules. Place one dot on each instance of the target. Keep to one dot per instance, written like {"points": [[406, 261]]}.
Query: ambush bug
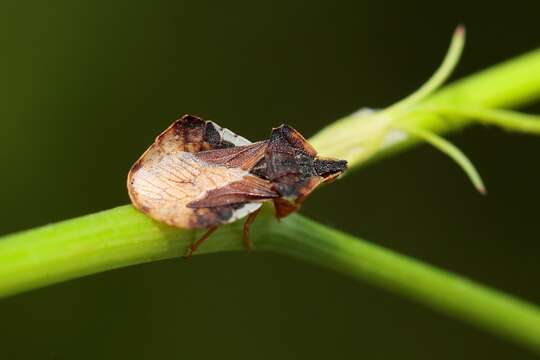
{"points": [[197, 174]]}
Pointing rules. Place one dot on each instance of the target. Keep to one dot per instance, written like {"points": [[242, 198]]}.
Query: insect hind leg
{"points": [[198, 243], [248, 245]]}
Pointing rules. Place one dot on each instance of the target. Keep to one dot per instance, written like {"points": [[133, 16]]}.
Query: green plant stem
{"points": [[453, 152], [441, 75], [509, 120], [122, 236], [492, 310], [510, 84]]}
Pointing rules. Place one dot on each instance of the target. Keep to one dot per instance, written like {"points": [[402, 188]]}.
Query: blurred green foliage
{"points": [[87, 85]]}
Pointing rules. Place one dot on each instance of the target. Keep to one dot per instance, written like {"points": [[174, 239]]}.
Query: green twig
{"points": [[509, 120], [122, 236], [492, 310], [440, 76], [453, 152], [512, 83]]}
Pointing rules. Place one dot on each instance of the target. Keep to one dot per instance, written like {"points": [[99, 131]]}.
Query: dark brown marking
{"points": [[213, 138], [329, 167], [193, 134], [211, 216], [285, 133], [185, 134]]}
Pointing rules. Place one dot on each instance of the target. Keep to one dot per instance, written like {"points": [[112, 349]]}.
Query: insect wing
{"points": [[249, 189], [170, 174], [243, 157]]}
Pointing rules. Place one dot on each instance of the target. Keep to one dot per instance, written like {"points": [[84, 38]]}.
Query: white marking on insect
{"points": [[229, 136]]}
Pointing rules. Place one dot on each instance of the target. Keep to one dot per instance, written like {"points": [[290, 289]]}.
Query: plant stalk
{"points": [[122, 236]]}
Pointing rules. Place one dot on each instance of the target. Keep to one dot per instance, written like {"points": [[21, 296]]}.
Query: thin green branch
{"points": [[122, 236], [506, 119], [453, 152], [440, 76], [512, 83], [492, 310], [89, 244]]}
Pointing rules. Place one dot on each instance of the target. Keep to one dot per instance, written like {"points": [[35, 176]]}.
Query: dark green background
{"points": [[85, 87]]}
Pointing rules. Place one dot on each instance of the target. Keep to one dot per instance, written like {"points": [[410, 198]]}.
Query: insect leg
{"points": [[284, 207], [251, 217], [197, 243]]}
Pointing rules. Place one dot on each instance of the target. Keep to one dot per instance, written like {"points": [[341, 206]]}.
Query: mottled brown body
{"points": [[199, 175]]}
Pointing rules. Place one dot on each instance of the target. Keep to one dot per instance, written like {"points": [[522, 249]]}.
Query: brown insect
{"points": [[199, 175]]}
